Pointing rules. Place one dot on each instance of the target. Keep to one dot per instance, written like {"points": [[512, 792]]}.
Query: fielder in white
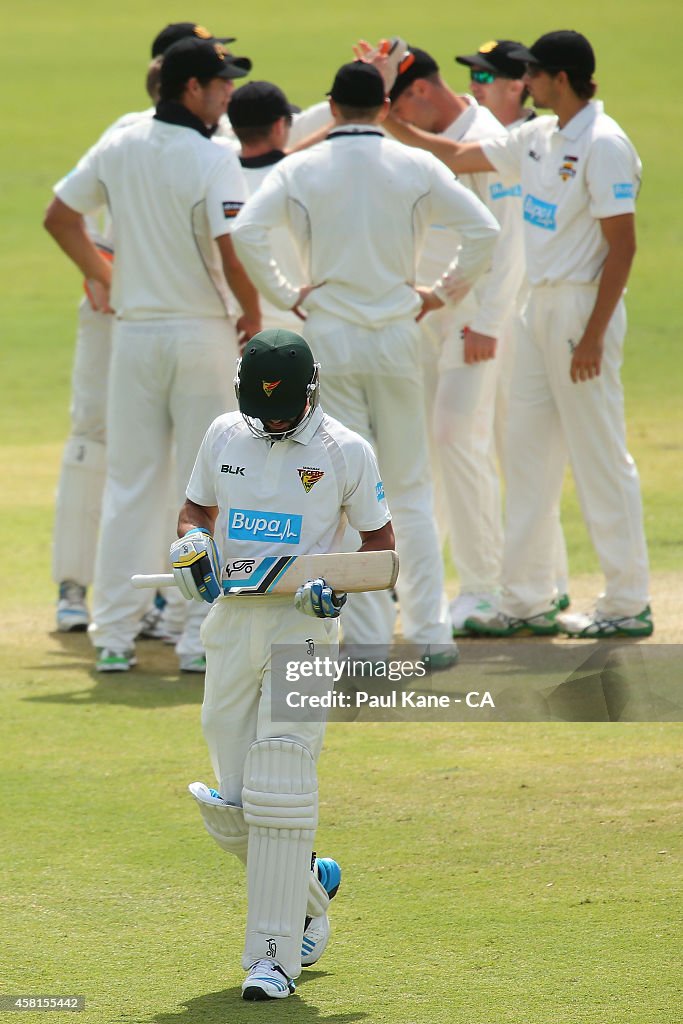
{"points": [[358, 205], [82, 475], [173, 197], [261, 117], [462, 347], [580, 177], [278, 478]]}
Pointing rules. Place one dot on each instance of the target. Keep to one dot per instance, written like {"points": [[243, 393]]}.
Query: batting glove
{"points": [[317, 599], [196, 566]]}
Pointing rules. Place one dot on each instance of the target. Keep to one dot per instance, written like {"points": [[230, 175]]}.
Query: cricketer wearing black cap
{"points": [[495, 56], [358, 84], [416, 64], [563, 50], [184, 30]]}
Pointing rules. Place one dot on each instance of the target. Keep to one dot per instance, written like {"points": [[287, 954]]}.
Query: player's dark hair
{"points": [[585, 88], [251, 134], [175, 90], [358, 114]]}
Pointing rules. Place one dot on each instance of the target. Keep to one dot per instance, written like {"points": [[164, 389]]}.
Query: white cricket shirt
{"points": [[285, 252], [493, 296], [571, 178], [170, 192], [358, 205], [288, 497]]}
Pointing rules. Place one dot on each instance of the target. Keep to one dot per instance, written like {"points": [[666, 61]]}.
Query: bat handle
{"points": [[161, 579]]}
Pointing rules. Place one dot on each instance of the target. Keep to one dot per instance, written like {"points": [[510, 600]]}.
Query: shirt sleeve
{"points": [[82, 189], [505, 152], [613, 176], [266, 209], [363, 500], [226, 194], [456, 207], [201, 488], [498, 289]]}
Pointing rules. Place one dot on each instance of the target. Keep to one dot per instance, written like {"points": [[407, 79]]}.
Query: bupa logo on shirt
{"points": [[264, 527], [379, 491], [623, 190], [230, 210], [540, 214], [499, 191]]}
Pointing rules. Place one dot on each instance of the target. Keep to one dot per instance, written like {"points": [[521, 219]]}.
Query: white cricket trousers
{"points": [[552, 419], [371, 381], [82, 474], [168, 379], [238, 634]]}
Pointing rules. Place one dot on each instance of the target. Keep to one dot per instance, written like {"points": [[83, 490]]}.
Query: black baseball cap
{"points": [[416, 63], [495, 56], [258, 104], [184, 30], [564, 50], [197, 58], [358, 84], [276, 368]]}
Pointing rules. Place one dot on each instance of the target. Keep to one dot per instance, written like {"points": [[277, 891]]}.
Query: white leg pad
{"points": [[280, 799], [318, 900], [223, 821], [77, 511]]}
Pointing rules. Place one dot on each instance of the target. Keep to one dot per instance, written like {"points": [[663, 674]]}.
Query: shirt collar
{"points": [[311, 427], [463, 121], [173, 112], [356, 129], [585, 117]]}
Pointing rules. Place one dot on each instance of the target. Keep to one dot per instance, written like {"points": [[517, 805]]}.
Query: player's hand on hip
{"points": [[196, 566], [98, 295], [304, 292], [430, 302], [586, 359], [478, 347], [246, 327], [317, 599]]}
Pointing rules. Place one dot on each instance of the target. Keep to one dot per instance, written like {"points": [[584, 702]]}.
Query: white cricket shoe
{"points": [[597, 627], [72, 611], [314, 942], [192, 663], [109, 660], [266, 980], [465, 605]]}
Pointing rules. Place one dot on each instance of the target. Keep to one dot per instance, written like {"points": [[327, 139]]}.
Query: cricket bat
{"points": [[349, 571]]}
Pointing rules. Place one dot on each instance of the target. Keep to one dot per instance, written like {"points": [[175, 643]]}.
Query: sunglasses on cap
{"points": [[482, 77]]}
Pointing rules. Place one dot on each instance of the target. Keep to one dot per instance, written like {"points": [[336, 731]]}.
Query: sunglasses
{"points": [[482, 77]]}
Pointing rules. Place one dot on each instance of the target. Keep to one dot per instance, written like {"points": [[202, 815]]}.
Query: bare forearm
{"points": [[378, 540], [461, 157], [243, 290], [193, 516], [67, 227], [613, 280]]}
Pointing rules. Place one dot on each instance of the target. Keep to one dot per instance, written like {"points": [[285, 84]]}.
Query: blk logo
{"points": [[235, 470]]}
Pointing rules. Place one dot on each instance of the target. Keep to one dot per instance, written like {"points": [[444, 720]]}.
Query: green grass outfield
{"points": [[494, 874]]}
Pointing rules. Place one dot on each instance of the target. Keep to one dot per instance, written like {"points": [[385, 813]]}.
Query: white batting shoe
{"points": [[266, 980], [72, 611], [314, 942], [465, 605]]}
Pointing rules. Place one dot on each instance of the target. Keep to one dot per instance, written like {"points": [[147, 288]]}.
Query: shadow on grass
{"points": [[155, 682], [228, 1006]]}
